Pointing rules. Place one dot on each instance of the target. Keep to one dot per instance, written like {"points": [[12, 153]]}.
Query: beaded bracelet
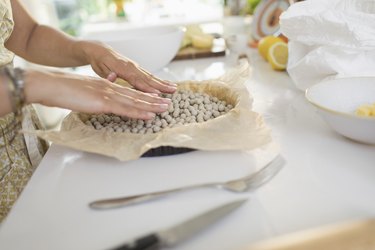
{"points": [[16, 89]]}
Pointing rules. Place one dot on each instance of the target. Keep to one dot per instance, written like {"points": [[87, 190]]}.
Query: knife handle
{"points": [[148, 242]]}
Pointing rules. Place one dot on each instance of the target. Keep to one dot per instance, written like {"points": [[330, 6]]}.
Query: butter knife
{"points": [[180, 232]]}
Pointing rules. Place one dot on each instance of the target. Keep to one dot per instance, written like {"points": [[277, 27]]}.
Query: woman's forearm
{"points": [[48, 46], [42, 44], [82, 94], [9, 96]]}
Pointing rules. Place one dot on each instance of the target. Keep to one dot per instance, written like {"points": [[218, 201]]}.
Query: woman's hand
{"points": [[47, 46], [90, 95], [111, 65]]}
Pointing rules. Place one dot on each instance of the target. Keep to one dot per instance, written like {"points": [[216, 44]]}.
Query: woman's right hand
{"points": [[90, 95]]}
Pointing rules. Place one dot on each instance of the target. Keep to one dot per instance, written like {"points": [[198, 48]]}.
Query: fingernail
{"points": [[171, 83], [166, 100], [112, 76], [164, 106], [150, 115]]}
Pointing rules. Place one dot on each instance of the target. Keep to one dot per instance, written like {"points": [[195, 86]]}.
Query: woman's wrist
{"points": [[87, 50], [33, 87], [13, 79]]}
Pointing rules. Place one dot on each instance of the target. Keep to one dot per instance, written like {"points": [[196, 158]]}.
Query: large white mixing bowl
{"points": [[151, 47]]}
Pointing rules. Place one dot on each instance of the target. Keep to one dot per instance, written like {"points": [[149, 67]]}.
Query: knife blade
{"points": [[175, 234]]}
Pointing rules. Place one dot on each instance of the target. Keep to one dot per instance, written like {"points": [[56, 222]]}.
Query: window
{"points": [[74, 14]]}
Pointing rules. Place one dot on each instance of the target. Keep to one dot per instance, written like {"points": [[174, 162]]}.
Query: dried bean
{"points": [[156, 129], [116, 119]]}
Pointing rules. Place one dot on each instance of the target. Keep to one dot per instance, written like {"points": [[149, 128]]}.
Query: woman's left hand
{"points": [[111, 65]]}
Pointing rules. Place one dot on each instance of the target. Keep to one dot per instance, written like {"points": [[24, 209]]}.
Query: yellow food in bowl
{"points": [[366, 110], [337, 101]]}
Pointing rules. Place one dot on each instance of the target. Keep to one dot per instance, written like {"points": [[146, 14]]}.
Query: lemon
{"points": [[265, 43], [278, 55], [195, 37], [193, 29], [186, 41], [202, 41]]}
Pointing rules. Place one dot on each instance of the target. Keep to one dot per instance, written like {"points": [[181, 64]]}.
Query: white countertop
{"points": [[327, 179]]}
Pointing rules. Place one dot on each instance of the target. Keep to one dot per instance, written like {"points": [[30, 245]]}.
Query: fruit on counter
{"points": [[274, 50], [195, 37], [202, 41], [367, 110], [194, 29], [265, 43], [277, 55], [186, 42]]}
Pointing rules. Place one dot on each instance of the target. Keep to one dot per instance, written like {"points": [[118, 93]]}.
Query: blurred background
{"points": [[74, 16]]}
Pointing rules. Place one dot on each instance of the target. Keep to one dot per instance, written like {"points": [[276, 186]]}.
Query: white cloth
{"points": [[329, 39]]}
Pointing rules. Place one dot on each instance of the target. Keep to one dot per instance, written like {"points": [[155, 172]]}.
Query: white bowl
{"points": [[151, 47], [337, 101]]}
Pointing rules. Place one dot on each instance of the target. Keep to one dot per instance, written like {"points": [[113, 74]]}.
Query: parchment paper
{"points": [[239, 129]]}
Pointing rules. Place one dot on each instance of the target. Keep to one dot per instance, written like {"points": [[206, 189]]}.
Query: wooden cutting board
{"points": [[218, 49], [358, 235]]}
